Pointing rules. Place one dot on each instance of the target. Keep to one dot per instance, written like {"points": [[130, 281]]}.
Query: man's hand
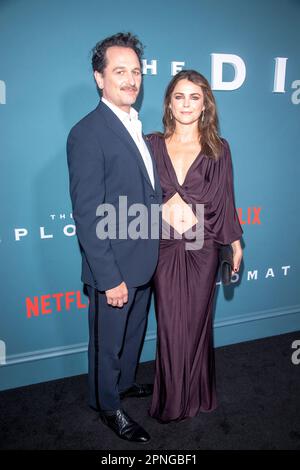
{"points": [[118, 296]]}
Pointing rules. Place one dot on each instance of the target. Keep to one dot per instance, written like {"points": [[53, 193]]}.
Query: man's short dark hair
{"points": [[99, 61]]}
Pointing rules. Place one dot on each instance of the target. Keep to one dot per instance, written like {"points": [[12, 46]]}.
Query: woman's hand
{"points": [[237, 255]]}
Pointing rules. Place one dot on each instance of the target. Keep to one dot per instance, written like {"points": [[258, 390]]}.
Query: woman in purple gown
{"points": [[195, 169]]}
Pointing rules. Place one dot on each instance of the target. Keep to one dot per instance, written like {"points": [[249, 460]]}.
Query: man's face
{"points": [[121, 79]]}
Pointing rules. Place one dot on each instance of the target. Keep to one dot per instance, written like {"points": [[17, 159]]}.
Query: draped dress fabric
{"points": [[184, 285]]}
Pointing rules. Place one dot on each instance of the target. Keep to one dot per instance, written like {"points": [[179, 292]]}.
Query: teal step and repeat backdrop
{"points": [[249, 51]]}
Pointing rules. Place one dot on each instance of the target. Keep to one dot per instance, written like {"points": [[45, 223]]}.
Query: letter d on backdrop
{"points": [[217, 61]]}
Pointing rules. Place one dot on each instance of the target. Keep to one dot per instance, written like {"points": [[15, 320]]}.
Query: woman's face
{"points": [[187, 102]]}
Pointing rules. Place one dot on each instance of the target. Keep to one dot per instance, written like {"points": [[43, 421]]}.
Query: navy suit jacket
{"points": [[105, 163]]}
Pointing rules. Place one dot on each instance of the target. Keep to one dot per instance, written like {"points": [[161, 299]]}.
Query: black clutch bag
{"points": [[226, 263]]}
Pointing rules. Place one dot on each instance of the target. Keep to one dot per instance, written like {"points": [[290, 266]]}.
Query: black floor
{"points": [[259, 408]]}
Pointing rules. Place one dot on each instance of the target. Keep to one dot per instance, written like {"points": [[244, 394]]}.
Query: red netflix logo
{"points": [[251, 215], [50, 303]]}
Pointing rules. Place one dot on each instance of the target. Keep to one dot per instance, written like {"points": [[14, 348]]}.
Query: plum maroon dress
{"points": [[185, 282]]}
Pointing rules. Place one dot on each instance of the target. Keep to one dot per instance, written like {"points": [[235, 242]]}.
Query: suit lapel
{"points": [[120, 131], [156, 178]]}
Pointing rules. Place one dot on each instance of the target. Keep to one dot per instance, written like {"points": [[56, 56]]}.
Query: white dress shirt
{"points": [[134, 127]]}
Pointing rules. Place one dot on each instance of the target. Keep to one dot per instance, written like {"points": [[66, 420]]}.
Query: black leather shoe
{"points": [[124, 427], [138, 390]]}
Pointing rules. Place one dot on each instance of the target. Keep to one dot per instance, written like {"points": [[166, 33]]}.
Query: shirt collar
{"points": [[122, 115]]}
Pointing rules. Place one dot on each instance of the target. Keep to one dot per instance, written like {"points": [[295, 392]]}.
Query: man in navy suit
{"points": [[108, 157]]}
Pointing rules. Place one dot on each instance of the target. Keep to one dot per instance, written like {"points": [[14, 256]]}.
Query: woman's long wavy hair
{"points": [[210, 141]]}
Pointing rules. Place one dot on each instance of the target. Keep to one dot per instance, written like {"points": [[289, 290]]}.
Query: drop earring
{"points": [[202, 117]]}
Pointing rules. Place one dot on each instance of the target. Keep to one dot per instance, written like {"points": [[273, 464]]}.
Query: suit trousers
{"points": [[115, 341]]}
